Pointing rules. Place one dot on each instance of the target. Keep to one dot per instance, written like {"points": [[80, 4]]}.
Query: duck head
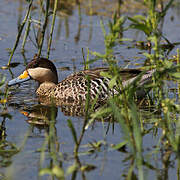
{"points": [[38, 69]]}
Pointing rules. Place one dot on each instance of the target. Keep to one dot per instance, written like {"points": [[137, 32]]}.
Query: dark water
{"points": [[75, 33]]}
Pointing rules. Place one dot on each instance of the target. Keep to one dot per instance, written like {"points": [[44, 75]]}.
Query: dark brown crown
{"points": [[42, 62]]}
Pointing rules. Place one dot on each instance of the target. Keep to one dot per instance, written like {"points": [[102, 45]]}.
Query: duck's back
{"points": [[76, 86]]}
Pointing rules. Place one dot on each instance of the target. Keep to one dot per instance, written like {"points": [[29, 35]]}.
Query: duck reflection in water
{"points": [[39, 115]]}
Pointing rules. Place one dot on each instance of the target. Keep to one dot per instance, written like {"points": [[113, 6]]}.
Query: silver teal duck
{"points": [[75, 87]]}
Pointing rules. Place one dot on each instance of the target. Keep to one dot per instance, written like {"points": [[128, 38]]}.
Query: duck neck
{"points": [[44, 88]]}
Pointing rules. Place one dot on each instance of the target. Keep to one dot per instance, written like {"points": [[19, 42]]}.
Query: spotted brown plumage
{"points": [[75, 87]]}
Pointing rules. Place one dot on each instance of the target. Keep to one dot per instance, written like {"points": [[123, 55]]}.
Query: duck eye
{"points": [[32, 65], [36, 65]]}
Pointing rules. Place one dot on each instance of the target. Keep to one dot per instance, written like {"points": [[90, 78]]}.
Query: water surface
{"points": [[72, 33]]}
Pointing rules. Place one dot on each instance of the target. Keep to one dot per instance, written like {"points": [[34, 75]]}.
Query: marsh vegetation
{"points": [[123, 138]]}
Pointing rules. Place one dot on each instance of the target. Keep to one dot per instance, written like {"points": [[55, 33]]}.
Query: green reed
{"points": [[123, 107], [26, 31], [8, 149], [20, 31], [40, 35], [52, 27], [44, 27], [51, 144]]}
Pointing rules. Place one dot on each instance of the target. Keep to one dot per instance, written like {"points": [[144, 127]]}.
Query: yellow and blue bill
{"points": [[22, 78]]}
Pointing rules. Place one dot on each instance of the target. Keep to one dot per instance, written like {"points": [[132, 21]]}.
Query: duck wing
{"points": [[125, 74]]}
